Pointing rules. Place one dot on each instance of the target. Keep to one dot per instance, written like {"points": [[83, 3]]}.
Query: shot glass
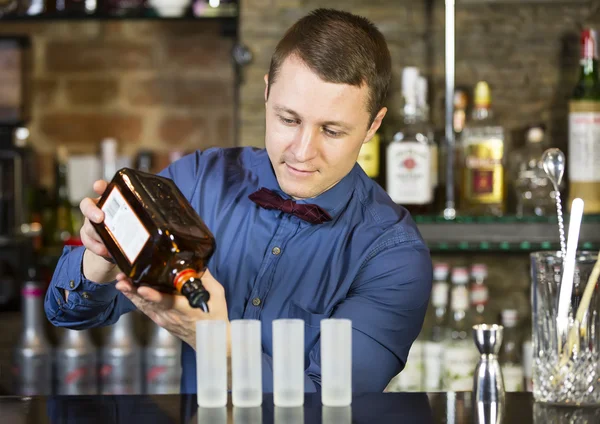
{"points": [[246, 363], [288, 362], [211, 363]]}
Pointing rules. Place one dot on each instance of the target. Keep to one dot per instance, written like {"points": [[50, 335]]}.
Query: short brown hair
{"points": [[340, 48]]}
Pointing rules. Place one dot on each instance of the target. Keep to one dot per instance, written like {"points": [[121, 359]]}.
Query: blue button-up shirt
{"points": [[368, 264]]}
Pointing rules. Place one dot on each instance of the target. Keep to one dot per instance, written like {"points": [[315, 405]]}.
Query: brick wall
{"points": [[527, 50], [156, 85]]}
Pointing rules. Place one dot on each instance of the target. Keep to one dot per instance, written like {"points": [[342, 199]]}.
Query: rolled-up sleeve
{"points": [[89, 304]]}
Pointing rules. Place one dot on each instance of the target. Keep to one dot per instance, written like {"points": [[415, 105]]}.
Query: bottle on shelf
{"points": [[63, 228], [75, 7], [76, 364], [510, 352], [460, 353], [584, 128], [121, 360], [33, 354], [483, 189], [433, 351], [534, 191], [368, 157], [108, 148], [408, 156], [479, 293], [162, 362], [154, 235]]}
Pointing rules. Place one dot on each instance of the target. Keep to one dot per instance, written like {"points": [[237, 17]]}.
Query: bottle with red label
{"points": [[479, 293], [409, 156], [76, 364], [584, 128]]}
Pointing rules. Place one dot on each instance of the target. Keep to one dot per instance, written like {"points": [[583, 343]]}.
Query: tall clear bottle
{"points": [[479, 293], [33, 354], [76, 364], [460, 352], [510, 353], [584, 128], [162, 362], [483, 190], [533, 190], [121, 365], [433, 352], [408, 156]]}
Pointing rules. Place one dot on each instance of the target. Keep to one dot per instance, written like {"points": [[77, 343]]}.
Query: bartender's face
{"points": [[314, 129]]}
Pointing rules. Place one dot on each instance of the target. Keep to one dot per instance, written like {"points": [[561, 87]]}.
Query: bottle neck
{"points": [[122, 332], [481, 113], [589, 69], [33, 309]]}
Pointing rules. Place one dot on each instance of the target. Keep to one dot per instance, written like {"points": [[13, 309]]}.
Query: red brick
{"points": [[206, 53], [44, 91], [98, 56], [78, 128], [95, 92], [180, 92], [182, 131], [225, 131]]}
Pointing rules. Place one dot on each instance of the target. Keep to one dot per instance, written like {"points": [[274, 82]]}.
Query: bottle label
{"points": [[411, 377], [163, 375], [484, 172], [409, 173], [439, 294], [513, 378], [479, 294], [120, 375], [433, 357], [77, 375], [460, 360], [460, 298], [584, 142], [368, 158], [124, 225], [33, 375]]}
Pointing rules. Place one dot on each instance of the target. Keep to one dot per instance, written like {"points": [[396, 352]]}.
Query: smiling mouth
{"points": [[300, 171]]}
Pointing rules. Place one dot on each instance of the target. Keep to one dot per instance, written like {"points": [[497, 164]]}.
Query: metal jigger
{"points": [[488, 384]]}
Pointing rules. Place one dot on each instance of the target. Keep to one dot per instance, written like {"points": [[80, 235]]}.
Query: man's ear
{"points": [[266, 87], [375, 124]]}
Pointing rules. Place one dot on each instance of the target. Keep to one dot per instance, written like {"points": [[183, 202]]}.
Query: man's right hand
{"points": [[96, 267]]}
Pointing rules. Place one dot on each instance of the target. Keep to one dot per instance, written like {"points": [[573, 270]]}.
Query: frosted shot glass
{"points": [[336, 362], [246, 363], [211, 363], [288, 362]]}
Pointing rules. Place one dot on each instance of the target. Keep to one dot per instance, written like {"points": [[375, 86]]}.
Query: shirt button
{"points": [[256, 301], [85, 295], [276, 251], [72, 284]]}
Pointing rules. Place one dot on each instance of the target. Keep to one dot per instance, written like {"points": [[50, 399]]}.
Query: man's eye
{"points": [[331, 133], [287, 121]]}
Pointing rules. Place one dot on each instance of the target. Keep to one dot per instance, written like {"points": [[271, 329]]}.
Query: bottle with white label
{"points": [[479, 292], [155, 236], [433, 352], [411, 377], [584, 128], [510, 353], [408, 156], [461, 355]]}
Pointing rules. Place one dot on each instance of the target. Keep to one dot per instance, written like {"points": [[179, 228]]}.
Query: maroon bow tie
{"points": [[308, 212]]}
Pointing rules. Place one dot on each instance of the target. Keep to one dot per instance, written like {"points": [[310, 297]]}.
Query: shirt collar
{"points": [[333, 200]]}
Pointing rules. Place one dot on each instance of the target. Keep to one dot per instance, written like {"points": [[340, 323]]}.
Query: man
{"points": [[361, 259]]}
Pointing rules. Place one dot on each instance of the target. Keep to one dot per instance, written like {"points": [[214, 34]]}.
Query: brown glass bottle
{"points": [[155, 236]]}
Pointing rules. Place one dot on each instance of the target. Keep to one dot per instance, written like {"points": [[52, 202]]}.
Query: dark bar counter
{"points": [[376, 408]]}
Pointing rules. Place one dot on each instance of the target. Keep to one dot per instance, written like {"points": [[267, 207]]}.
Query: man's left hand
{"points": [[173, 312]]}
